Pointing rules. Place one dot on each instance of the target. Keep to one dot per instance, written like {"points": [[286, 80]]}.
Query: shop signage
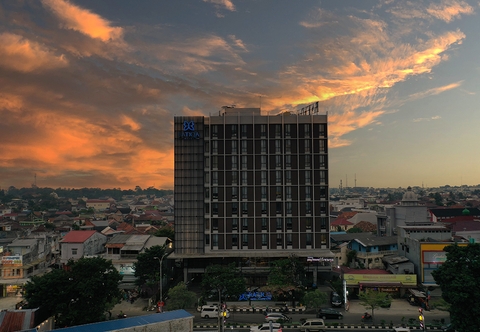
{"points": [[319, 259], [405, 279], [255, 296], [12, 260], [189, 131]]}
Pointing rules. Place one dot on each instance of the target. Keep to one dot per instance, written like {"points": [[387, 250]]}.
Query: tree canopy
{"points": [[315, 299], [226, 278], [147, 267], [81, 294], [179, 297], [372, 300], [458, 280]]}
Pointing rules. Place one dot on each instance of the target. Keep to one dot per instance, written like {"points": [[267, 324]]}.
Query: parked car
{"points": [[336, 300], [276, 327], [448, 328], [329, 313], [277, 317], [313, 325], [400, 329]]}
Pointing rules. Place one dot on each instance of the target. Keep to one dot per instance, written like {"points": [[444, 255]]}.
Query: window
{"points": [[288, 129], [288, 146], [323, 192], [215, 208], [264, 240], [323, 176], [244, 207], [215, 192], [263, 146], [308, 207], [215, 240], [264, 192], [207, 162], [234, 208], [244, 192], [207, 209], [235, 224], [245, 240], [207, 193], [234, 146], [215, 162], [214, 146], [323, 145], [288, 207], [308, 192], [244, 162], [215, 131], [234, 177], [215, 224], [74, 251], [244, 177], [307, 129], [288, 222], [278, 177], [323, 207], [278, 161], [289, 239], [234, 130], [278, 146], [279, 239], [308, 223], [243, 128], [307, 145], [323, 161], [244, 146], [263, 162], [288, 192], [207, 145], [279, 223], [308, 160], [215, 177], [245, 224], [234, 162], [263, 130], [264, 207], [288, 177], [322, 130], [288, 161], [264, 223], [278, 192], [278, 130], [207, 239], [309, 239], [234, 192], [279, 208], [234, 240], [308, 177], [323, 239], [263, 176]]}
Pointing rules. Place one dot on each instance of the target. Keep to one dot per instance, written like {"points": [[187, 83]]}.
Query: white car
{"points": [[276, 327], [277, 316], [211, 311]]}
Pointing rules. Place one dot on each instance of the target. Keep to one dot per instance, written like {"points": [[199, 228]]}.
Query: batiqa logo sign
{"points": [[189, 131]]}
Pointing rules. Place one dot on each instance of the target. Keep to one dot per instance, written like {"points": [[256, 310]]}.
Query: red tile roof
{"points": [[77, 236]]}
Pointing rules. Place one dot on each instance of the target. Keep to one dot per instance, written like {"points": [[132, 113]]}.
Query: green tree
{"points": [[461, 289], [147, 269], [315, 299], [286, 272], [223, 278], [80, 295], [372, 300], [354, 230], [166, 231], [179, 297]]}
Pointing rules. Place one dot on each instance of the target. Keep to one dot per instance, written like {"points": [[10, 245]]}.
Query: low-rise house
{"points": [[77, 244]]}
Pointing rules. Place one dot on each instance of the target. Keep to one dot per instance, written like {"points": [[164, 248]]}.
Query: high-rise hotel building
{"points": [[251, 188]]}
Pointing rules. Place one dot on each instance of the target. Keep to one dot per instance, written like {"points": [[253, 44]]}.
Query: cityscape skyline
{"points": [[90, 89]]}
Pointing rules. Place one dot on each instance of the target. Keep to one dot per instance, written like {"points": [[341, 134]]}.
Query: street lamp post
{"points": [[160, 260]]}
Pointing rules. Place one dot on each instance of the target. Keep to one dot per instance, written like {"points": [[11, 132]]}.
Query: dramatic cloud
{"points": [[20, 54], [227, 4], [449, 10], [83, 21]]}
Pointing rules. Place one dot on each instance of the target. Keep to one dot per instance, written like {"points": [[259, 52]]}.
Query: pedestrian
{"points": [[253, 308]]}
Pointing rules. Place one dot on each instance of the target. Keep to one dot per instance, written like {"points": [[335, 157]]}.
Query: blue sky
{"points": [[90, 88]]}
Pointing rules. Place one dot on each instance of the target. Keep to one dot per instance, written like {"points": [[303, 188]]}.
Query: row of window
{"points": [[280, 239], [276, 177], [275, 130], [288, 192], [278, 146], [280, 223], [274, 161], [287, 208]]}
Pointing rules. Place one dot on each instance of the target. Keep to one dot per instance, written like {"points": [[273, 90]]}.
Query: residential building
{"points": [[251, 188], [78, 244]]}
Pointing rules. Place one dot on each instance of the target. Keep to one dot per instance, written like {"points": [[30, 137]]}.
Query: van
{"points": [[211, 311], [314, 324]]}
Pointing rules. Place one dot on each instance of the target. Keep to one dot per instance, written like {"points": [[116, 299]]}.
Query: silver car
{"points": [[277, 317]]}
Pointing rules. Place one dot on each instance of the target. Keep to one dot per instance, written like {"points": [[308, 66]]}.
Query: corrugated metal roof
{"points": [[118, 324]]}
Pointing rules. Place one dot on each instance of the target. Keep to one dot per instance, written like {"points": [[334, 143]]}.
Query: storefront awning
{"points": [[417, 293]]}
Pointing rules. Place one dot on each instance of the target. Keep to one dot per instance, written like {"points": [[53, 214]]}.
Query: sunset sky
{"points": [[89, 88]]}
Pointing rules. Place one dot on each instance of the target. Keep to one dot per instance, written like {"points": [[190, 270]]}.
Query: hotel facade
{"points": [[251, 188]]}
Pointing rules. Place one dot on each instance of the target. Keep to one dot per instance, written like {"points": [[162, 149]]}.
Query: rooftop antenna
{"points": [[355, 180]]}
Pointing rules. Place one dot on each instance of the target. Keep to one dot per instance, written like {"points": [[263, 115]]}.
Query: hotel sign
{"points": [[189, 131]]}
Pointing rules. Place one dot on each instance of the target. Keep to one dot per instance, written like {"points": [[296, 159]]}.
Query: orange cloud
{"points": [[24, 55], [83, 21], [448, 10], [224, 3]]}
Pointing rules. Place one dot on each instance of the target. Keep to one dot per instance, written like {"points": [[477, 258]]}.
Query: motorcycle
{"points": [[366, 317], [121, 315], [285, 310]]}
